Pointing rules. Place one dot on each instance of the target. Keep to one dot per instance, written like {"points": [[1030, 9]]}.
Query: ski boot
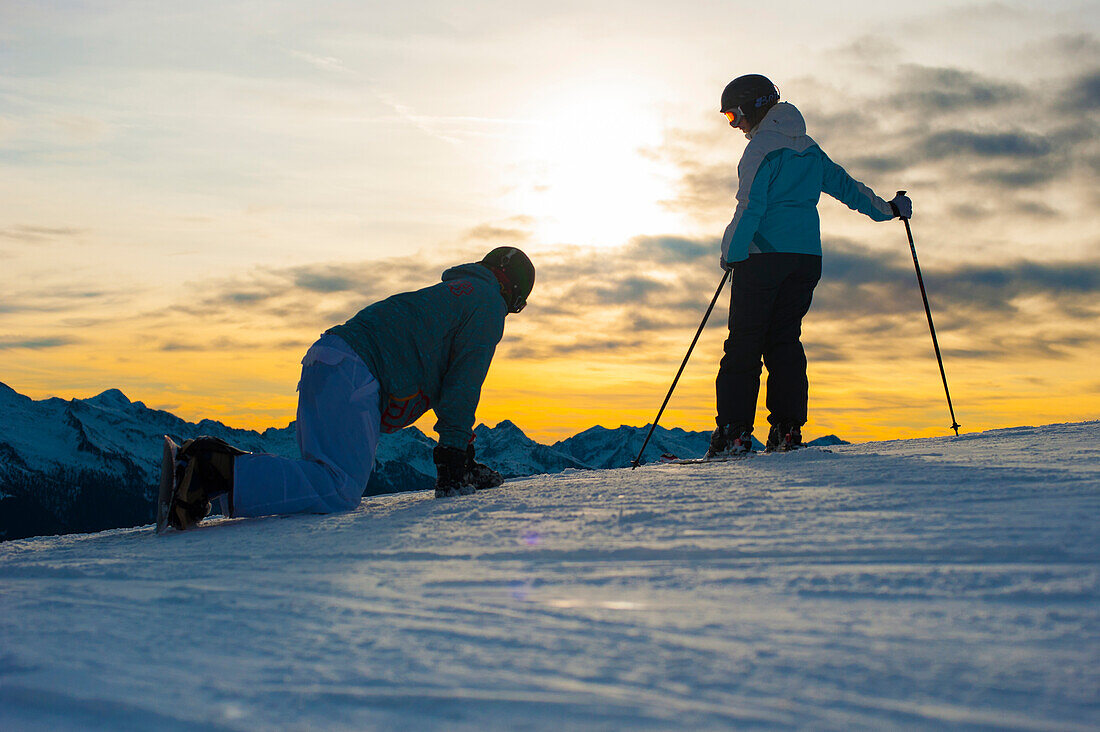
{"points": [[783, 438], [481, 476], [450, 466], [459, 474], [729, 441], [203, 472]]}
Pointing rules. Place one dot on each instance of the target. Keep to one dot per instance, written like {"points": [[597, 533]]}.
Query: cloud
{"points": [[324, 280], [868, 50], [997, 289], [622, 303], [951, 128], [310, 297], [819, 352], [878, 164], [936, 91], [325, 63], [36, 344], [516, 230], [36, 234], [246, 298], [670, 249], [59, 299], [988, 145], [498, 234], [660, 287], [1084, 93], [854, 277], [223, 344], [543, 349], [1037, 209], [631, 289]]}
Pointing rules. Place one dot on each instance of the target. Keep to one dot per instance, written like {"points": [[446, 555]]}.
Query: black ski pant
{"points": [[770, 295]]}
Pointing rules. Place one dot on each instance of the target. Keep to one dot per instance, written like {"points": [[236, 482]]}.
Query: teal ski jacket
{"points": [[431, 349], [781, 177]]}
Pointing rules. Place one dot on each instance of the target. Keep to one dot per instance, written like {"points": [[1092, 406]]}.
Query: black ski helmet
{"points": [[514, 272], [752, 95]]}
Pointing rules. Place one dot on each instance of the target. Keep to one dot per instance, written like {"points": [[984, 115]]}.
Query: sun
{"points": [[585, 177]]}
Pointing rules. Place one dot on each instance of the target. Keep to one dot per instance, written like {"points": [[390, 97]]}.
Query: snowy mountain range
{"points": [[85, 465]]}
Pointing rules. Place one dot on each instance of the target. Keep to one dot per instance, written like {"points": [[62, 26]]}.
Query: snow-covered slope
{"points": [[938, 583]]}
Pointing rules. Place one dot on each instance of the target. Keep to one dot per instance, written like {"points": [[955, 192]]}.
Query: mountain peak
{"points": [[828, 441], [110, 398], [508, 426]]}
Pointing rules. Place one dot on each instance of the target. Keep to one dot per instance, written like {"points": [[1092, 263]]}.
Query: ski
{"points": [[697, 461], [804, 448], [743, 456]]}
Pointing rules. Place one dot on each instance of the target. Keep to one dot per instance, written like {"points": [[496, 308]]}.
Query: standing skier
{"points": [[772, 248], [378, 372]]}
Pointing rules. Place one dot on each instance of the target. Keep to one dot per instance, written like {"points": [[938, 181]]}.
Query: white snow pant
{"points": [[339, 420]]}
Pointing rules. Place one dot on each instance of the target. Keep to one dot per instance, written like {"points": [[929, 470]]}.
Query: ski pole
{"points": [[694, 340], [931, 328]]}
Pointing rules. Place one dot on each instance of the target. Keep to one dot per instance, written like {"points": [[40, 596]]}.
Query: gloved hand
{"points": [[480, 476], [902, 206], [728, 266]]}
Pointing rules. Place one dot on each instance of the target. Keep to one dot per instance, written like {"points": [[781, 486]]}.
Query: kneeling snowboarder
{"points": [[378, 372]]}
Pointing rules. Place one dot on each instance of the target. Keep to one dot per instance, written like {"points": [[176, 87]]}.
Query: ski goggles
{"points": [[735, 117], [513, 294]]}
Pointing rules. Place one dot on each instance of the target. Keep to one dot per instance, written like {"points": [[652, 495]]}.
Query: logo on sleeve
{"points": [[402, 411], [459, 288]]}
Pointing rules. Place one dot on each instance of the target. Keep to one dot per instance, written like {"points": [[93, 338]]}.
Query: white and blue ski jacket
{"points": [[781, 177], [431, 349]]}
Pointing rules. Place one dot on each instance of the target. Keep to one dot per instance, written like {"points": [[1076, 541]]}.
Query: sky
{"points": [[191, 193]]}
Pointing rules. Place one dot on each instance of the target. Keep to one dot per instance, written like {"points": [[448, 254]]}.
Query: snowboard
{"points": [[167, 483]]}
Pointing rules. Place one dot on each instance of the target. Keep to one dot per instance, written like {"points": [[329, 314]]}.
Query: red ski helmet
{"points": [[514, 272]]}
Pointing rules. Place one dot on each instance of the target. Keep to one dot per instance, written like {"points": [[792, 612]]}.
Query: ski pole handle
{"points": [[902, 193], [909, 233]]}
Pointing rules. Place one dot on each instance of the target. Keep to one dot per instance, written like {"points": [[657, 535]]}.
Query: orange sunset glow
{"points": [[190, 196]]}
